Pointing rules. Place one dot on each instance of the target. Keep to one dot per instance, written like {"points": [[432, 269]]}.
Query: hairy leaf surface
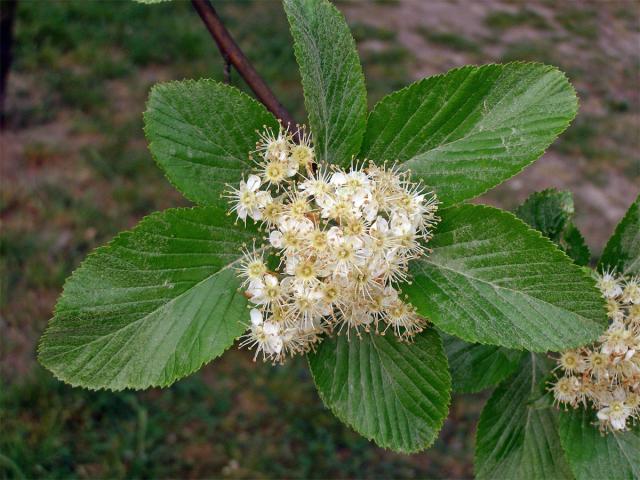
{"points": [[593, 455], [332, 78], [153, 305], [394, 393], [548, 211], [574, 245], [475, 367], [518, 438], [472, 128], [201, 133], [491, 279], [551, 212], [622, 251]]}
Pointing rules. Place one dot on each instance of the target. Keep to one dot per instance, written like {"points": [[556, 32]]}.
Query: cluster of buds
{"points": [[606, 375], [343, 240]]}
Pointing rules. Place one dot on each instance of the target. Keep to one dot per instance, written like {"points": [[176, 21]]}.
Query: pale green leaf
{"points": [[153, 305], [622, 252], [491, 279], [201, 133], [517, 438], [332, 79], [475, 367], [472, 128], [394, 393], [593, 455]]}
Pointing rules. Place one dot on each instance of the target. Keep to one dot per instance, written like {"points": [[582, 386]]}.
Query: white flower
{"points": [[344, 239], [608, 372], [631, 292], [566, 390], [609, 285], [615, 414], [247, 200], [264, 336], [266, 291]]}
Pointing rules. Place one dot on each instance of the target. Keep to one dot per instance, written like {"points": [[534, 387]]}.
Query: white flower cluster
{"points": [[606, 375], [344, 239]]}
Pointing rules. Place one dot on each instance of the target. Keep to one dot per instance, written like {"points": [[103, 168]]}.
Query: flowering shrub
{"points": [[394, 287]]}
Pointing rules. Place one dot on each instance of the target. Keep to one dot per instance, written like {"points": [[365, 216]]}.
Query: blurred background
{"points": [[75, 170]]}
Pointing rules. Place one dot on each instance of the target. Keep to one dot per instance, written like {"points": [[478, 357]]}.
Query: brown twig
{"points": [[230, 49]]}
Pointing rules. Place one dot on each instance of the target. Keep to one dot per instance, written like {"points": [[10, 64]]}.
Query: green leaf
{"points": [[593, 455], [574, 246], [332, 79], [201, 133], [152, 306], [475, 367], [491, 279], [394, 393], [472, 128], [548, 211], [622, 251], [517, 437]]}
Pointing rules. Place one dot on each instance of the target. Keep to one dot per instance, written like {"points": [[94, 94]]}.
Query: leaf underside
{"points": [[622, 252], [475, 367], [593, 455], [201, 133], [491, 279], [394, 393], [332, 79], [515, 437], [152, 306], [472, 128]]}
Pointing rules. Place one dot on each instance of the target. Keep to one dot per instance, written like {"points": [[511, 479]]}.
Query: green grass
{"points": [[244, 422], [502, 20], [450, 40], [365, 31], [581, 21]]}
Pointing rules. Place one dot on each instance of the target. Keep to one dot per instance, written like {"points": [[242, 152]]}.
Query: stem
{"points": [[230, 49]]}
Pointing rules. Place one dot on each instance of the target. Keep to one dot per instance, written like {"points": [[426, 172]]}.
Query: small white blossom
{"points": [[344, 238], [609, 370]]}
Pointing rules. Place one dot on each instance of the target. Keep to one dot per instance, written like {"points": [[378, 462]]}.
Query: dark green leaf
{"points": [[574, 246], [622, 252], [548, 211], [491, 279], [201, 133], [517, 434], [394, 393], [593, 455], [332, 79], [472, 128], [153, 305], [475, 367]]}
